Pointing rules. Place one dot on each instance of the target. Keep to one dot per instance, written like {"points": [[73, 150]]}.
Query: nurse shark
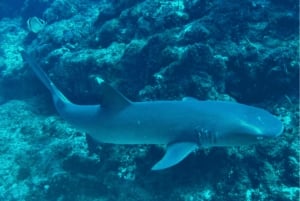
{"points": [[183, 125]]}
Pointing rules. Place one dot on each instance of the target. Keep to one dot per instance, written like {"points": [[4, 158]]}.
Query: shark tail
{"points": [[56, 94]]}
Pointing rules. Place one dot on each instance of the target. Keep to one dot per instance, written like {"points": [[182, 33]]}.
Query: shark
{"points": [[182, 125]]}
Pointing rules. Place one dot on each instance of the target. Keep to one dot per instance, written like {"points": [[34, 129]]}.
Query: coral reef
{"points": [[245, 51]]}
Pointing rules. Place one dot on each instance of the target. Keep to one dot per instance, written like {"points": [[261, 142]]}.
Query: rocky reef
{"points": [[245, 51]]}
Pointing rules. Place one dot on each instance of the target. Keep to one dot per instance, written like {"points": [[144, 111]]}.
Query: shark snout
{"points": [[273, 132], [263, 124], [255, 129], [273, 127]]}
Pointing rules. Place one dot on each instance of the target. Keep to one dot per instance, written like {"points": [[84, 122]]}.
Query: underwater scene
{"points": [[149, 100]]}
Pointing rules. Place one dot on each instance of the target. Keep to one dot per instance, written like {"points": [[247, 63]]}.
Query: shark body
{"points": [[183, 125]]}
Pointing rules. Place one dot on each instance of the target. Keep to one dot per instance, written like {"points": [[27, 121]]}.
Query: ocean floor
{"points": [[149, 50]]}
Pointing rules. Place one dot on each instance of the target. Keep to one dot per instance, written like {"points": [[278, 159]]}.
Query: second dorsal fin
{"points": [[110, 98]]}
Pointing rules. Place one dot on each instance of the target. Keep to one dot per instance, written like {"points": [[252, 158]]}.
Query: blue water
{"points": [[244, 51]]}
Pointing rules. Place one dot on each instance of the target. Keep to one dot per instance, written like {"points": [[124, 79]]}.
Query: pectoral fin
{"points": [[175, 153]]}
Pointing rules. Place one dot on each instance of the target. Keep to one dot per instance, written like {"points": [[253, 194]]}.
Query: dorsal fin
{"points": [[110, 98]]}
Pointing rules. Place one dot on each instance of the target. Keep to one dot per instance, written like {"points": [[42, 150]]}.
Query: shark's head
{"points": [[251, 126]]}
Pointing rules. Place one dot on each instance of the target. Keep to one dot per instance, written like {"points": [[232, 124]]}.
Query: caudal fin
{"points": [[57, 95]]}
